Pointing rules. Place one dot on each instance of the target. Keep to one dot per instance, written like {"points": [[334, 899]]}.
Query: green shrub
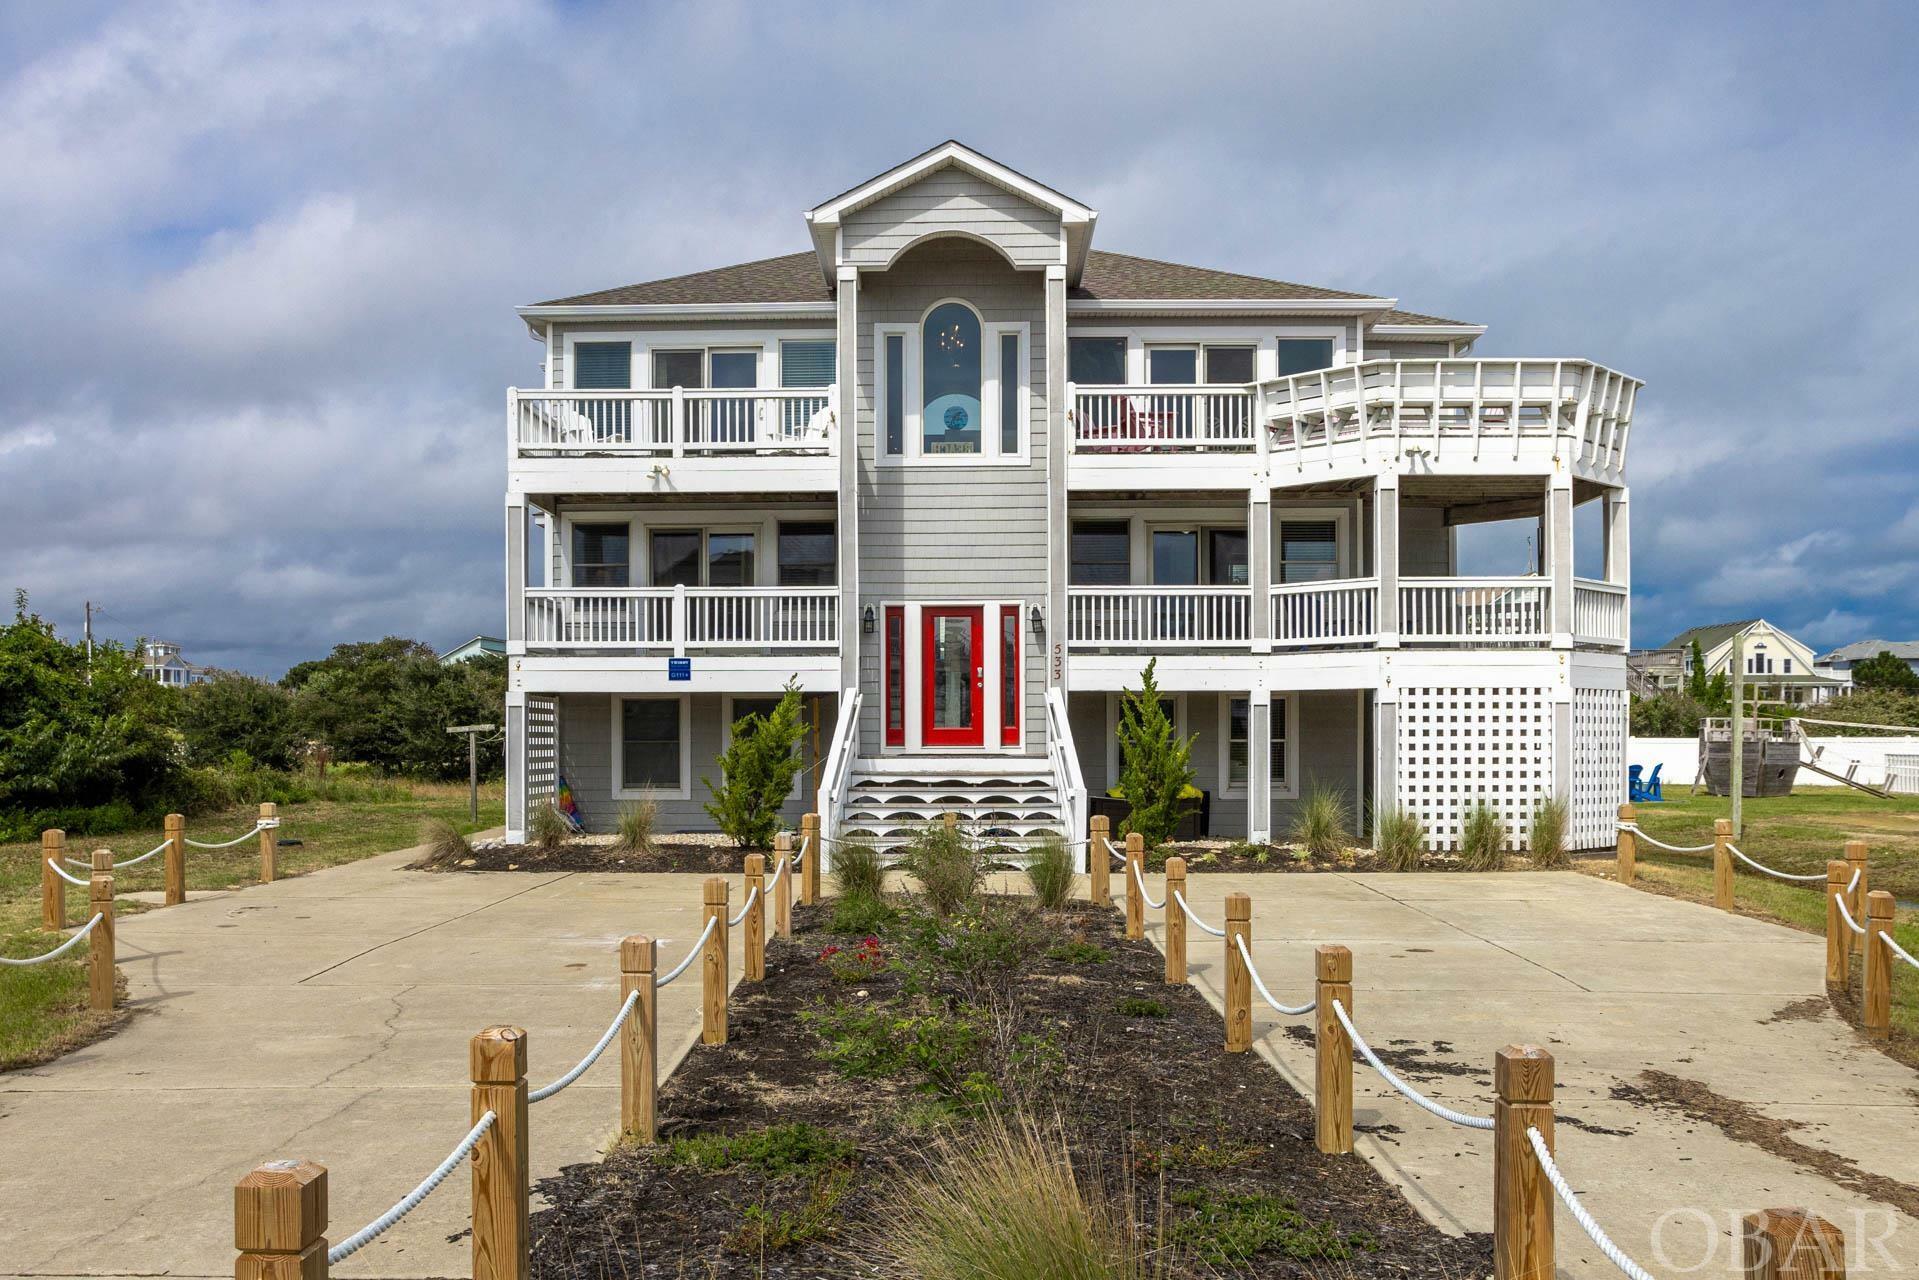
{"points": [[1077, 951], [1482, 839], [882, 1040], [764, 1230], [948, 868], [1319, 825], [1227, 1229], [637, 821], [1003, 1200], [445, 842], [862, 913], [857, 870], [546, 830], [1401, 839], [779, 1151], [1156, 764], [1051, 872], [756, 773], [1551, 820], [984, 946], [1140, 1007]]}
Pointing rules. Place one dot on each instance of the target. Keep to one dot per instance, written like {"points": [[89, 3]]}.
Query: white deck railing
{"points": [[1342, 611], [1162, 419], [682, 618], [675, 423], [1159, 617], [1067, 778], [1599, 612], [836, 775], [1473, 610]]}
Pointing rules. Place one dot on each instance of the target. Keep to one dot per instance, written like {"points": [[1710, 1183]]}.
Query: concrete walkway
{"points": [[1614, 982], [325, 1017]]}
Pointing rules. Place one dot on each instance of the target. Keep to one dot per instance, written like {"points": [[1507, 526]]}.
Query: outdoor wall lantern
{"points": [[1039, 622], [866, 621]]}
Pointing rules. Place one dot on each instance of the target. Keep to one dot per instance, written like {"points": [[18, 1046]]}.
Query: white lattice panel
{"points": [[1599, 765], [1460, 745], [542, 748]]}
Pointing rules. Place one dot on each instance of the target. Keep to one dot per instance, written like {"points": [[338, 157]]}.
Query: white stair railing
{"points": [[836, 775], [1067, 779]]}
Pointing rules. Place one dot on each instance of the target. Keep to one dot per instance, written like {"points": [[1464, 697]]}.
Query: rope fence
{"points": [[54, 878], [248, 834], [411, 1200], [1386, 1074], [78, 937], [155, 851], [1544, 1156], [592, 1055]]}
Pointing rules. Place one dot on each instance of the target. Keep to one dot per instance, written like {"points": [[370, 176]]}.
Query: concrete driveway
{"points": [[326, 1017], [1616, 983]]}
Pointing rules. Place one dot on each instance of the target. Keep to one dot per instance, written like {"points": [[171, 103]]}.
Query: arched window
{"points": [[951, 354]]}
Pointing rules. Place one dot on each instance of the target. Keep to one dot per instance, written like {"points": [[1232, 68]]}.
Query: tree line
{"points": [[91, 744], [1885, 690]]}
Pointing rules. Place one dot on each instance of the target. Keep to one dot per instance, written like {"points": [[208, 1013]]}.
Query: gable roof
{"points": [[1860, 650], [1709, 637], [792, 277]]}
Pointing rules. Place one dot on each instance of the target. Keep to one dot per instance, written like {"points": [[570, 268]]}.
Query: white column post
{"points": [[1619, 555], [847, 529], [1386, 556], [1058, 458], [515, 756], [1259, 766], [1259, 563], [1559, 545], [678, 622], [516, 528], [1385, 749]]}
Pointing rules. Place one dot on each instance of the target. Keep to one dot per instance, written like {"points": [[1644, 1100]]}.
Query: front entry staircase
{"points": [[1002, 800]]}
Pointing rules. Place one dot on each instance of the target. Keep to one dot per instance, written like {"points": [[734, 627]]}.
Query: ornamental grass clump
{"points": [[858, 871], [546, 830], [1320, 825], [1051, 872], [1003, 1200], [1482, 839], [445, 843], [1401, 838], [637, 821], [948, 868], [1547, 845]]}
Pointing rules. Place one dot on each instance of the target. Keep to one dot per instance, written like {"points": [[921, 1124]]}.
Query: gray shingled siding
{"points": [[950, 199], [1425, 543], [952, 534], [586, 761]]}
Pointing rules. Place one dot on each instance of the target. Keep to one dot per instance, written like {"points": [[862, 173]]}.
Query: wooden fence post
{"points": [[1792, 1244], [175, 859], [783, 886], [1176, 930], [1838, 937], [1628, 846], [1135, 895], [1332, 1050], [497, 1057], [279, 1222], [1522, 1196], [53, 890], [639, 1039], [1722, 864], [713, 963], [269, 842], [1239, 979], [1878, 996], [951, 820], [100, 945], [1856, 859], [754, 943], [1099, 863], [812, 848]]}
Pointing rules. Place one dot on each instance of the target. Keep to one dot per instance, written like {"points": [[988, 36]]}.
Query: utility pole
{"points": [[1738, 761], [89, 632], [472, 732]]}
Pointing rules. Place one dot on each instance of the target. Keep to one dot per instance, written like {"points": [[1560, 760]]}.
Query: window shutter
{"points": [[806, 364], [602, 366]]}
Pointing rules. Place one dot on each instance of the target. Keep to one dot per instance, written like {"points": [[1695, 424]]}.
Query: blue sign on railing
{"points": [[679, 668]]}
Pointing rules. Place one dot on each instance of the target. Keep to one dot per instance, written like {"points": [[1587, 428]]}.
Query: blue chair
{"points": [[1653, 793], [1644, 793], [1634, 792]]}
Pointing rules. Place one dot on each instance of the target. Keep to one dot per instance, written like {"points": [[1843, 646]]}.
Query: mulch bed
{"points": [[1240, 857], [1158, 1118], [709, 855]]}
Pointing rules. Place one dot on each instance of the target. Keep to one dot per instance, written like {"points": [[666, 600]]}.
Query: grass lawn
{"points": [[43, 1008], [1797, 833]]}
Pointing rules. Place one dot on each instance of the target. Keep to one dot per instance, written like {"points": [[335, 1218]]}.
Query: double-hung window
{"points": [[807, 553], [650, 747], [1101, 554], [604, 366], [600, 556], [1304, 355], [1308, 550], [1238, 755], [805, 364]]}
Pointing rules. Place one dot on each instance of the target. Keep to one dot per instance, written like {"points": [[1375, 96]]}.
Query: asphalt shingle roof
{"points": [[1709, 636]]}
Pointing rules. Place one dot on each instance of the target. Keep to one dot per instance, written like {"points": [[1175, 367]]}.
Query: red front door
{"points": [[953, 713]]}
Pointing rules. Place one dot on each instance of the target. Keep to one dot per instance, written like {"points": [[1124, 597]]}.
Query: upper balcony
{"points": [[753, 440], [1458, 416]]}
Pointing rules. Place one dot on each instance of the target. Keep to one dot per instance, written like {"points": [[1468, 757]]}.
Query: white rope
{"points": [[60, 871], [75, 941], [1117, 855], [1854, 882], [680, 968], [258, 827], [744, 907], [1845, 914], [1585, 1220], [1291, 1011], [1444, 1113], [1859, 724], [1885, 936], [1781, 875], [1639, 831], [374, 1229], [1147, 897], [130, 862], [779, 869], [1194, 916], [592, 1055]]}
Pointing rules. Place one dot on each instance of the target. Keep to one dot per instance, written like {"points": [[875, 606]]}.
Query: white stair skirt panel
{"points": [[1001, 800], [1463, 745], [542, 749], [1599, 766]]}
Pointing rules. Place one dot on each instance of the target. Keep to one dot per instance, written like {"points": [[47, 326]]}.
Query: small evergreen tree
{"points": [[1156, 764], [1885, 671], [757, 772], [1699, 681]]}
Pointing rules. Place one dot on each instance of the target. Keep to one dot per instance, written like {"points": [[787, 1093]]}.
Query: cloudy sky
{"points": [[259, 261]]}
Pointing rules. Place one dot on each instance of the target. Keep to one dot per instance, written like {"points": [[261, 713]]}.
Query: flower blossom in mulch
{"points": [[850, 964]]}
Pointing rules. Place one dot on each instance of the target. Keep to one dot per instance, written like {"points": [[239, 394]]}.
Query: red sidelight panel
{"points": [[1009, 675], [895, 675]]}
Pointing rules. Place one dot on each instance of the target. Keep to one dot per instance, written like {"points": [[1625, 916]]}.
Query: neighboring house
{"points": [[1777, 667], [472, 649], [1838, 663], [959, 475], [162, 662], [1654, 671]]}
